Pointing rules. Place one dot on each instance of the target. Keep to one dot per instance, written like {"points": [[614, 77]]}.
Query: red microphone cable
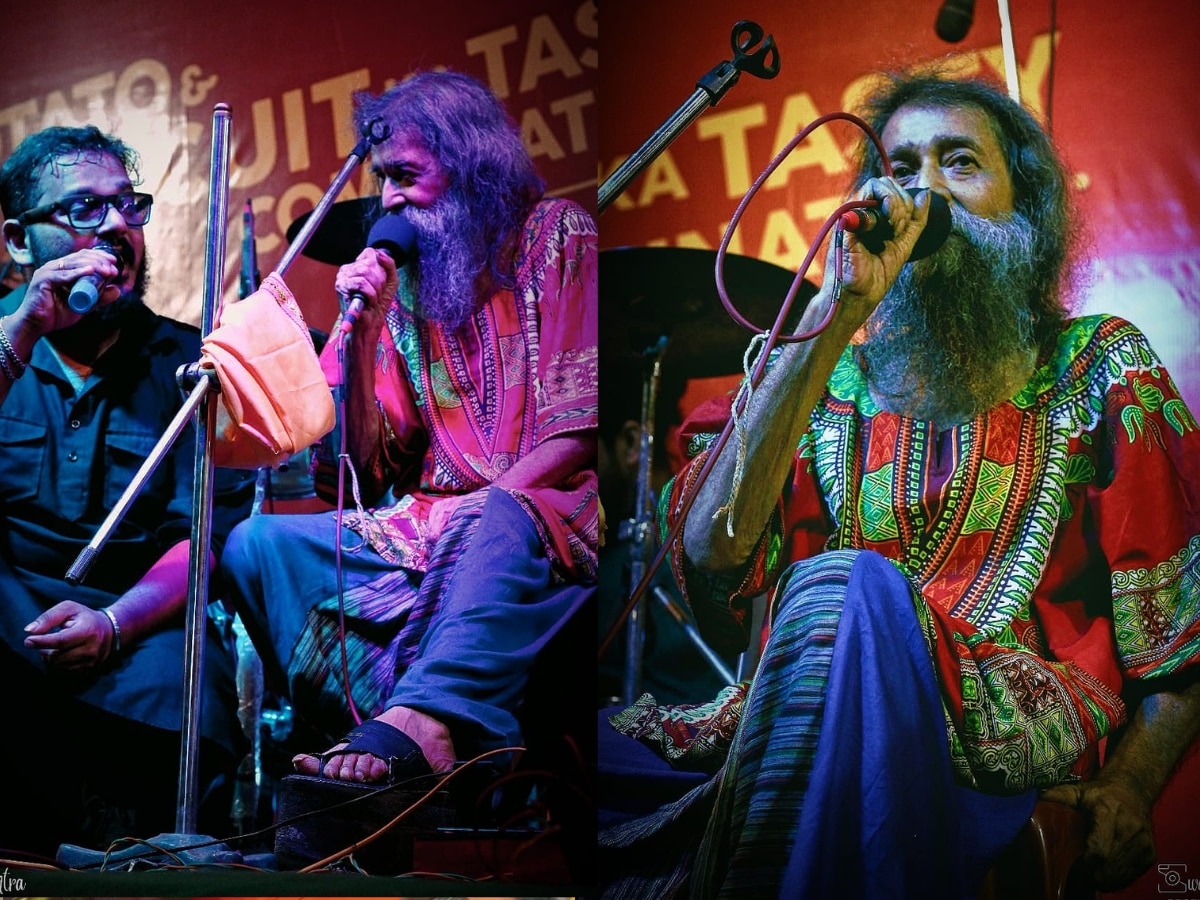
{"points": [[772, 337]]}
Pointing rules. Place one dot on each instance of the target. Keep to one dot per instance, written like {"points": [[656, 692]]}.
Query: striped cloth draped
{"points": [[745, 832], [837, 780], [385, 620]]}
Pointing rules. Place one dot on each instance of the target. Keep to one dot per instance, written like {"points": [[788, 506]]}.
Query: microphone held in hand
{"points": [[872, 227], [85, 293], [395, 236]]}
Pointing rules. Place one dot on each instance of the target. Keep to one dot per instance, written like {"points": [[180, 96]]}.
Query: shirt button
{"points": [[74, 423], [72, 456]]}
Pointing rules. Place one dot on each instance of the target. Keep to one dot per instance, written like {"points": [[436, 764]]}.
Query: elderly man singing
{"points": [[980, 519], [470, 423]]}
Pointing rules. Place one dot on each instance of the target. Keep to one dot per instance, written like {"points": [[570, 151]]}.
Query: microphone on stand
{"points": [[397, 237], [250, 277], [954, 20], [85, 293]]}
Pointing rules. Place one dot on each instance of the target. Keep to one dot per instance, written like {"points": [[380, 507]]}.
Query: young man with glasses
{"points": [[93, 672]]}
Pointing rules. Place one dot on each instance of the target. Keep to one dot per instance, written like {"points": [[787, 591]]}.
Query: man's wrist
{"points": [[116, 630]]}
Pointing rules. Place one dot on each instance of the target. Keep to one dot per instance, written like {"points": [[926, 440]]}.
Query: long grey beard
{"points": [[947, 338], [452, 253]]}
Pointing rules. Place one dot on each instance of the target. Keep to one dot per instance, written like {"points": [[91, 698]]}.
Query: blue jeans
{"points": [[495, 611]]}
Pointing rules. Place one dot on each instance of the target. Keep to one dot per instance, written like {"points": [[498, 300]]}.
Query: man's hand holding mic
{"points": [[370, 282], [869, 269], [55, 297]]}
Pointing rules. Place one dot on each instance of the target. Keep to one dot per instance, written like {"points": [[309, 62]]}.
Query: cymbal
{"points": [[342, 234], [650, 292]]}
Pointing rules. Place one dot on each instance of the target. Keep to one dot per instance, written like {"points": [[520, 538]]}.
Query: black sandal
{"points": [[401, 753]]}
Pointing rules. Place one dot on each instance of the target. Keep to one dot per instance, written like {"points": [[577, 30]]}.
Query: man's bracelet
{"points": [[14, 366], [116, 647]]}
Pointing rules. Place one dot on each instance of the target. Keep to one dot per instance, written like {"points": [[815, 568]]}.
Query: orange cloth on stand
{"points": [[274, 398]]}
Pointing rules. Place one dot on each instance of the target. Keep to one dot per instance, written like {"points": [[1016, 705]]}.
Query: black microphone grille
{"points": [[113, 252], [954, 20], [395, 235]]}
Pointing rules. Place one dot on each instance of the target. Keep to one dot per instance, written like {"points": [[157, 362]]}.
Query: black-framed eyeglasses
{"points": [[89, 210]]}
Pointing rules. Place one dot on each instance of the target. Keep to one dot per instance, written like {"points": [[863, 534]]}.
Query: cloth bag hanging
{"points": [[274, 400]]}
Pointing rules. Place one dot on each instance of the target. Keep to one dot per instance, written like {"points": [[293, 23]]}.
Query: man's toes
{"points": [[312, 764], [306, 764], [375, 768], [360, 767]]}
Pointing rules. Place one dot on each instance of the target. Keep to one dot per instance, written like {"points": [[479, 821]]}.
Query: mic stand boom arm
{"points": [[373, 132], [709, 90]]}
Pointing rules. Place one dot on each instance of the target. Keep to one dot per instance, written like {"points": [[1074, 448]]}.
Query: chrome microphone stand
{"points": [[197, 380], [202, 484], [640, 529]]}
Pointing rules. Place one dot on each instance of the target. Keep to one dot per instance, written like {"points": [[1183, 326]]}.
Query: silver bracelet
{"points": [[11, 354], [116, 647]]}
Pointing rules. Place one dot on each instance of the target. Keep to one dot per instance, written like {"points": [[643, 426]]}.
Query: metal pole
{"points": [[202, 488], [87, 556], [693, 634], [637, 162], [761, 60], [1010, 53], [641, 527]]}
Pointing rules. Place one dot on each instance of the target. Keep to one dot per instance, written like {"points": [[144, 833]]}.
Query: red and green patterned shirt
{"points": [[458, 408], [1054, 541]]}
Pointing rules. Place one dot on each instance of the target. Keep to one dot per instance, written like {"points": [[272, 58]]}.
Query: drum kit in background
{"points": [[663, 325]]}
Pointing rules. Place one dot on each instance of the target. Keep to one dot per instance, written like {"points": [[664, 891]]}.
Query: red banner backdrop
{"points": [[1113, 92], [152, 74]]}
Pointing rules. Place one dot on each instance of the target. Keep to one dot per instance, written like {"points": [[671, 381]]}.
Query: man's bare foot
{"points": [[431, 736]]}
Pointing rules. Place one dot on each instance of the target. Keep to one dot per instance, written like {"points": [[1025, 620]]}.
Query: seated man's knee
{"points": [[245, 542]]}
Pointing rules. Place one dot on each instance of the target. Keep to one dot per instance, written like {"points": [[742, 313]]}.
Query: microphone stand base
{"points": [[168, 849]]}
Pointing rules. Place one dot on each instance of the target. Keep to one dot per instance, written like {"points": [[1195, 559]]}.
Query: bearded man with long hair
{"points": [[470, 425], [979, 517]]}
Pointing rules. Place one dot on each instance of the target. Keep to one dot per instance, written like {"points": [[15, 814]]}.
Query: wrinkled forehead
{"points": [[404, 145], [82, 172], [927, 124]]}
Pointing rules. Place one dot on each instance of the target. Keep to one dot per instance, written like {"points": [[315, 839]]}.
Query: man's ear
{"points": [[15, 241]]}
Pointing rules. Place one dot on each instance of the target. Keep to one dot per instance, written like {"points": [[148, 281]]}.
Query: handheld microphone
{"points": [[872, 227], [954, 20], [85, 293], [397, 237]]}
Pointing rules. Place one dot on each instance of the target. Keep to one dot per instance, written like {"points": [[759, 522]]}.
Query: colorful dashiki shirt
{"points": [[459, 408], [1054, 541]]}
